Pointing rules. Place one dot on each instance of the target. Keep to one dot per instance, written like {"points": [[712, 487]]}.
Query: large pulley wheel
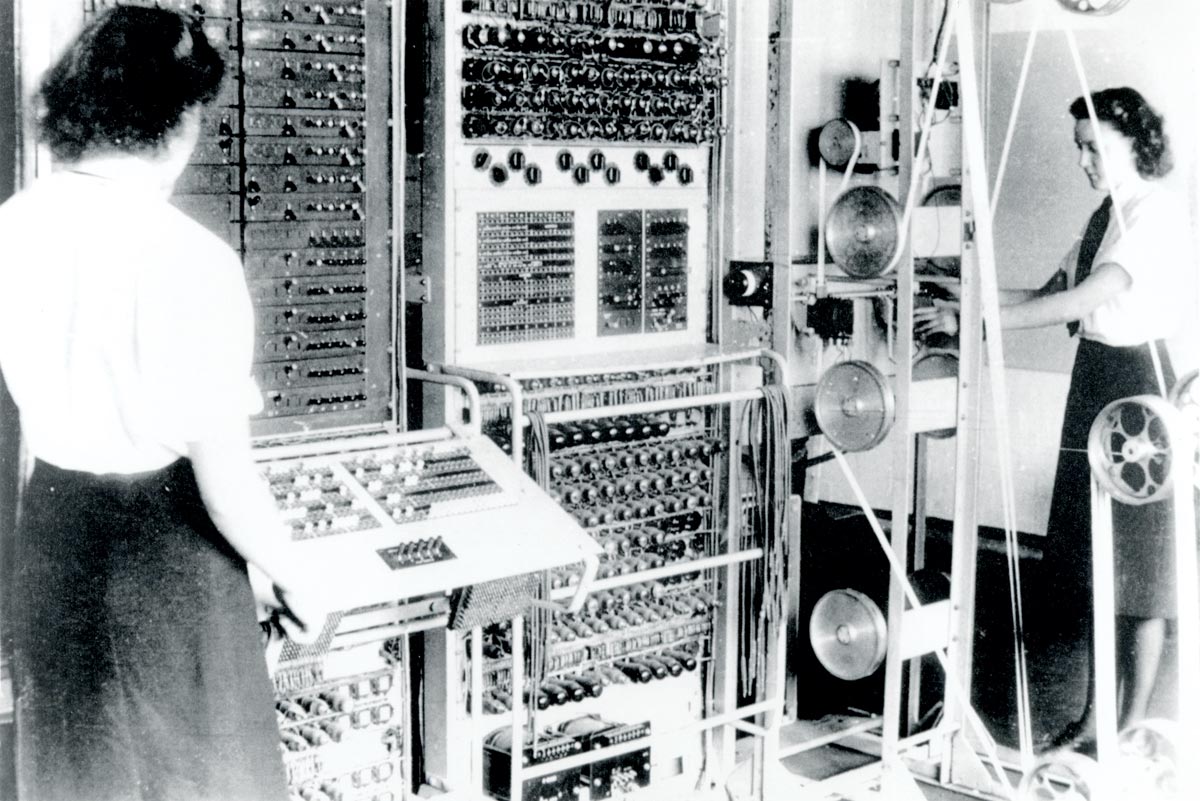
{"points": [[1096, 7], [838, 141], [936, 364], [1062, 776], [1131, 445], [862, 231], [1185, 396], [1148, 753], [854, 406], [945, 195], [848, 634]]}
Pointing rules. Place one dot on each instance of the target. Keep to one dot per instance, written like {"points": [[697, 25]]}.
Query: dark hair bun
{"points": [[126, 81], [1129, 113]]}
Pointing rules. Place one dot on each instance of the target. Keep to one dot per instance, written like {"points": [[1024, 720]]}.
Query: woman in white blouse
{"points": [[126, 336], [1121, 289]]}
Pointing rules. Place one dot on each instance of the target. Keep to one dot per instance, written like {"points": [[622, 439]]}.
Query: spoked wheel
{"points": [[1130, 448], [1148, 753], [1061, 776]]}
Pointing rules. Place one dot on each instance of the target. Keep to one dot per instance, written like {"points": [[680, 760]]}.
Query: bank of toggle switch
{"points": [[417, 552]]}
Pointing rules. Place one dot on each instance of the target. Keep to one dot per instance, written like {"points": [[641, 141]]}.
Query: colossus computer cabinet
{"points": [[515, 204]]}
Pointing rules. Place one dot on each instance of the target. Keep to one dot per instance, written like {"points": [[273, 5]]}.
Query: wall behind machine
{"points": [[836, 42], [1046, 200]]}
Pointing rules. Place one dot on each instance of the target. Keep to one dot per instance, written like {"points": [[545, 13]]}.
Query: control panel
{"points": [[293, 171], [397, 522], [396, 516], [643, 275], [526, 276], [599, 116], [320, 496]]}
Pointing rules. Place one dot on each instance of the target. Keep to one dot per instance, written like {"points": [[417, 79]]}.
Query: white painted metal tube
{"points": [[515, 394], [675, 569], [468, 387], [1104, 612]]}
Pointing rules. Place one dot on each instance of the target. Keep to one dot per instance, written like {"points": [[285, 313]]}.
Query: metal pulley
{"points": [[931, 365], [948, 196], [1131, 445], [1097, 7], [1062, 776], [1185, 396], [862, 231], [838, 142], [854, 406], [848, 634]]}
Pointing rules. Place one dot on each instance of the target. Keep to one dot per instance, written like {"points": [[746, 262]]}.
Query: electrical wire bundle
{"points": [[537, 455], [764, 583], [537, 464], [538, 626]]}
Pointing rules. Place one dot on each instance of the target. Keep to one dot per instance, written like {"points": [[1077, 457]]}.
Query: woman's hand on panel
{"points": [[301, 613], [940, 318]]}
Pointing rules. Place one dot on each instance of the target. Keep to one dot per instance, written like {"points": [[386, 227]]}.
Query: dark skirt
{"points": [[138, 664], [1143, 546]]}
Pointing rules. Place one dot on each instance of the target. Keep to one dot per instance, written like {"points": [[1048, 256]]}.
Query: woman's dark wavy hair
{"points": [[126, 81], [1126, 110]]}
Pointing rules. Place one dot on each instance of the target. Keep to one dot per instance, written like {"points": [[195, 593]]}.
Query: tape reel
{"points": [[1131, 447], [854, 406], [848, 633], [862, 231]]}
